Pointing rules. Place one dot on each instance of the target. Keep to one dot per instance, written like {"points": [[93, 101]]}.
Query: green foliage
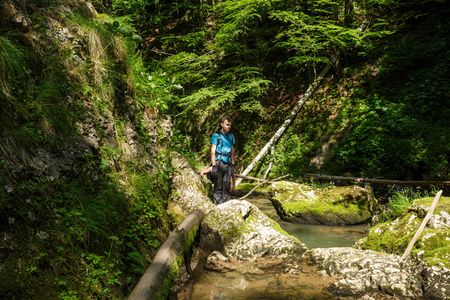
{"points": [[116, 28], [247, 50], [13, 65], [249, 59], [154, 89], [229, 65], [84, 226], [94, 235], [401, 200], [136, 9], [405, 112], [35, 101], [238, 21], [312, 39]]}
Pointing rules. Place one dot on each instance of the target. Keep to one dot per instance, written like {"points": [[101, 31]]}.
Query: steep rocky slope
{"points": [[83, 177]]}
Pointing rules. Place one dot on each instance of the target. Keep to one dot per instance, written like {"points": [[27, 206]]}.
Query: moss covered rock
{"points": [[331, 206], [240, 230], [432, 247]]}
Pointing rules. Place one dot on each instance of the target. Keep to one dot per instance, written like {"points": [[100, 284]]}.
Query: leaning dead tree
{"points": [[295, 110]]}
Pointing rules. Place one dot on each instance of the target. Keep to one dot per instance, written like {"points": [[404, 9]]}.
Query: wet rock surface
{"points": [[268, 277], [219, 277]]}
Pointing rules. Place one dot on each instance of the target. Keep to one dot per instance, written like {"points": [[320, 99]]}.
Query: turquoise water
{"points": [[313, 236], [323, 236]]}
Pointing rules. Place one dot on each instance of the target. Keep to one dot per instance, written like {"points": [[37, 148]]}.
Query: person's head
{"points": [[415, 165], [225, 124]]}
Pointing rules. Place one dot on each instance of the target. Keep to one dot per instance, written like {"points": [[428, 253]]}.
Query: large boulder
{"points": [[432, 247], [238, 229], [300, 203], [366, 272]]}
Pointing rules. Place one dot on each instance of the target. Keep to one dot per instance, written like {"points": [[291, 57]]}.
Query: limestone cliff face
{"points": [[83, 111]]}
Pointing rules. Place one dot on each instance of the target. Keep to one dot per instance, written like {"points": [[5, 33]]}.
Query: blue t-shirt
{"points": [[224, 147]]}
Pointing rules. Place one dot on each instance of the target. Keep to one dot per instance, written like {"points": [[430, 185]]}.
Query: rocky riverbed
{"points": [[244, 254]]}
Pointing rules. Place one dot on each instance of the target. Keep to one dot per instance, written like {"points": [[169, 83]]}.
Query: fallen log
{"points": [[378, 181], [157, 279]]}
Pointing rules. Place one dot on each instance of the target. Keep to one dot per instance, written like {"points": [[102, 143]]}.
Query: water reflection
{"points": [[323, 236]]}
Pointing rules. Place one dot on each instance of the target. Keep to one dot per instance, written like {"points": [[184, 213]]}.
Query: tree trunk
{"points": [[348, 13], [270, 164], [377, 181]]}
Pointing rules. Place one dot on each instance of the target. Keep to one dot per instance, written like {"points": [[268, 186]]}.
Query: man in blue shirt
{"points": [[222, 160]]}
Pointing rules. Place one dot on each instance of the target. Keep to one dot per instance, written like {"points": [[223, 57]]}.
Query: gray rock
{"points": [[366, 272], [431, 250], [436, 282], [238, 229]]}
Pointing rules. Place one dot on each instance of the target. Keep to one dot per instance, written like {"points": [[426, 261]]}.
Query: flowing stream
{"points": [[323, 236]]}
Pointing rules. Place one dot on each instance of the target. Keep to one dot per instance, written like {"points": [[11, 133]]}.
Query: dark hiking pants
{"points": [[223, 183]]}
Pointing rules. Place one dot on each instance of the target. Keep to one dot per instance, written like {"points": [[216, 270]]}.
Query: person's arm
{"points": [[424, 176], [204, 171], [232, 154], [213, 154], [233, 177]]}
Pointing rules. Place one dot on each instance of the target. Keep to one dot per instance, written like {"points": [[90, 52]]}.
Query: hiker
{"points": [[222, 161], [417, 172]]}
